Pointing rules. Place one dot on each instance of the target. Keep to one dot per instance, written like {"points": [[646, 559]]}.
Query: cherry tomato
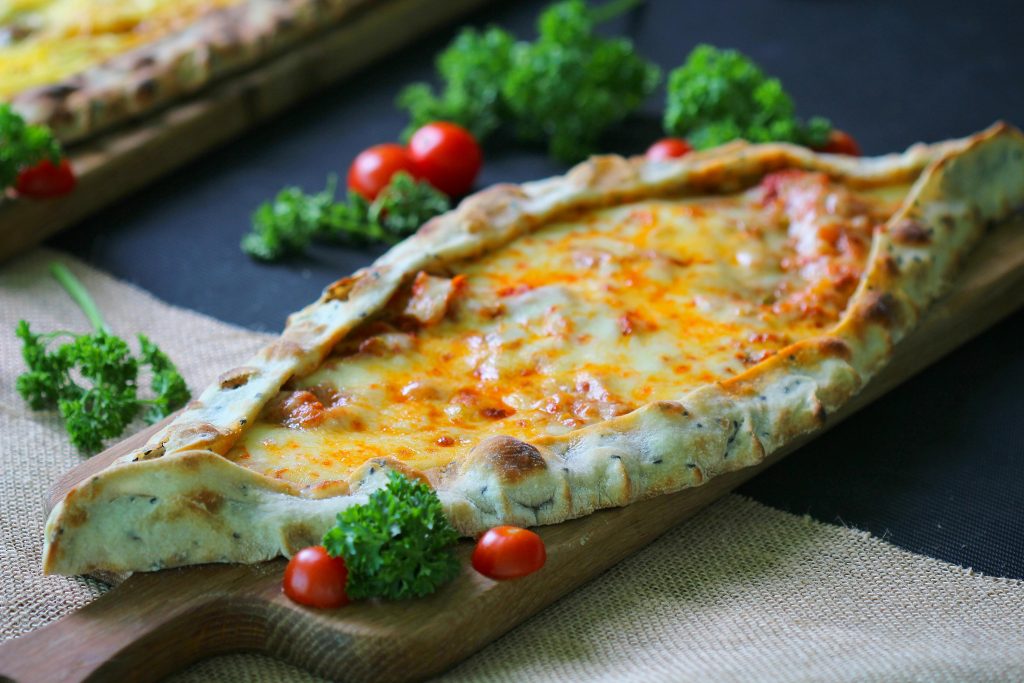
{"points": [[371, 171], [508, 552], [668, 148], [316, 579], [447, 156], [45, 179], [841, 142]]}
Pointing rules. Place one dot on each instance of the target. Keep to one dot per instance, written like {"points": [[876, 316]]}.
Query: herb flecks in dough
{"points": [[399, 544], [293, 220], [92, 380]]}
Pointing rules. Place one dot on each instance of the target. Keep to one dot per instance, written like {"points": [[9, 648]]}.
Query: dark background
{"points": [[937, 466]]}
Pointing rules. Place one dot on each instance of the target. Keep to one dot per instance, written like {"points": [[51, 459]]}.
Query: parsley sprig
{"points": [[720, 95], [293, 220], [397, 545], [92, 379], [565, 88], [22, 145]]}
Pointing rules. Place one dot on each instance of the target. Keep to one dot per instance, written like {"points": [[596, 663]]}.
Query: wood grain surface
{"points": [[123, 161], [154, 624]]}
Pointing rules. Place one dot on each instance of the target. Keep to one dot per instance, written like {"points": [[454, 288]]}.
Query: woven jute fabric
{"points": [[741, 592]]}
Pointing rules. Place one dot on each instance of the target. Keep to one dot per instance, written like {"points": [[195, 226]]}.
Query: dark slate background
{"points": [[937, 466]]}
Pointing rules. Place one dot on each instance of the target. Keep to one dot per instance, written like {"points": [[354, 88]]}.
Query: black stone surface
{"points": [[936, 467]]}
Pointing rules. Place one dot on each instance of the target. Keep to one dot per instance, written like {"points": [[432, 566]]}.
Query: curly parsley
{"points": [[397, 545], [565, 88], [294, 219], [720, 95], [92, 379], [570, 85], [472, 68], [22, 145]]}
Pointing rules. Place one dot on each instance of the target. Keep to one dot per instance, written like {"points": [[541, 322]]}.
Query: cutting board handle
{"points": [[142, 630]]}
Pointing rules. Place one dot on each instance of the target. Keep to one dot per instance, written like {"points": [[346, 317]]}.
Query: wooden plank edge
{"points": [[992, 287]]}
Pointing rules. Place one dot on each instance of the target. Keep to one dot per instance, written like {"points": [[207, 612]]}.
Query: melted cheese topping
{"points": [[45, 41], [582, 321]]}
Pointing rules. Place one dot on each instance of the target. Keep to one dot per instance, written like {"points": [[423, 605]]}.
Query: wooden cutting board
{"points": [[154, 624], [119, 163]]}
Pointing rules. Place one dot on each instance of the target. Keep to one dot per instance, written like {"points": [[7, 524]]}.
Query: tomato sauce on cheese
{"points": [[584, 320]]}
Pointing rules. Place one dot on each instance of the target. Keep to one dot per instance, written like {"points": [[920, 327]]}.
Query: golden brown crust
{"points": [[218, 44], [961, 187]]}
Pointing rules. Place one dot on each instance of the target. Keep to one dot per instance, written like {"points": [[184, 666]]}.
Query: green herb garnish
{"points": [[720, 95], [570, 85], [565, 89], [397, 545], [294, 219], [92, 379], [23, 145], [473, 68]]}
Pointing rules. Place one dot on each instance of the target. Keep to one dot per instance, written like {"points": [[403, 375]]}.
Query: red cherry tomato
{"points": [[841, 142], [508, 552], [447, 156], [316, 579], [371, 171], [45, 179], [668, 148]]}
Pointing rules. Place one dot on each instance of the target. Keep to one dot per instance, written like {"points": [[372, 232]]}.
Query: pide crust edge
{"points": [[176, 501]]}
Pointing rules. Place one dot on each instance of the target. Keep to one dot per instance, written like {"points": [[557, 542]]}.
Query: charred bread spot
{"points": [[834, 347], [298, 535], [910, 232], [232, 379], [603, 173], [58, 91], [328, 489], [191, 433], [881, 308], [511, 458], [672, 408], [147, 89], [892, 266], [340, 290], [373, 474], [206, 501], [75, 516], [819, 412], [282, 349]]}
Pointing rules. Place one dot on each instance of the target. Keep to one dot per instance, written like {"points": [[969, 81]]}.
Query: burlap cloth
{"points": [[741, 592]]}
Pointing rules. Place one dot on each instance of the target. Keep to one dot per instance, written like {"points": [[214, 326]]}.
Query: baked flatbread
{"points": [[82, 66], [545, 350]]}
